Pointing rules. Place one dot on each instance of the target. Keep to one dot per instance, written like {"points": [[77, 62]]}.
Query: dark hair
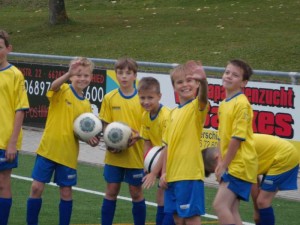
{"points": [[149, 83], [126, 62], [209, 161], [5, 37], [244, 66]]}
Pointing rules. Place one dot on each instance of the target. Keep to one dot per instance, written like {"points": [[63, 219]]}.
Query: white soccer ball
{"points": [[116, 136], [151, 158], [86, 126]]}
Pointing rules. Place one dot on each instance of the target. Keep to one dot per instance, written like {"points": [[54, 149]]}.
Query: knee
{"points": [[36, 190], [66, 193], [136, 194], [216, 206], [262, 203]]}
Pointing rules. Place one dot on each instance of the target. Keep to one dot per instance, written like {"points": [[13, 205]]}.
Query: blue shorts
{"points": [[43, 170], [239, 187], [286, 181], [4, 165], [185, 198], [115, 174]]}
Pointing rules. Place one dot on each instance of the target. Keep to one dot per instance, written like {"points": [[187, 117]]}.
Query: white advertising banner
{"points": [[275, 106]]}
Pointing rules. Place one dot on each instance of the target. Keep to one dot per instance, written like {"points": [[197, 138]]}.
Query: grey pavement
{"points": [[95, 156]]}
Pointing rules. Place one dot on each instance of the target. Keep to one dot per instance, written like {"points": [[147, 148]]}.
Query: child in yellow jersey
{"points": [[183, 169], [153, 126], [59, 148], [13, 104], [278, 162], [122, 104], [237, 168]]}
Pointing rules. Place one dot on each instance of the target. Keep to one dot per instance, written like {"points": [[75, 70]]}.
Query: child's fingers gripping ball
{"points": [[117, 136], [87, 126]]}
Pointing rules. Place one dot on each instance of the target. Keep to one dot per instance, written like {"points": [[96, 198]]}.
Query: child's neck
{"points": [[127, 91], [230, 94], [155, 111], [4, 65], [183, 101]]}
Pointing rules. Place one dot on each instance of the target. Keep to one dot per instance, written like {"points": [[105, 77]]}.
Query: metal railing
{"points": [[291, 75]]}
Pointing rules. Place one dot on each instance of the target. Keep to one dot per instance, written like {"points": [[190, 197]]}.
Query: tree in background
{"points": [[57, 12]]}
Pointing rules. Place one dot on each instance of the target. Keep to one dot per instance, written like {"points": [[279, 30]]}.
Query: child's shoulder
{"points": [[112, 93]]}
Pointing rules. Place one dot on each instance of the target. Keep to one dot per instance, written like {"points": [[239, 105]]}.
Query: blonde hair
{"points": [[85, 62], [178, 70]]}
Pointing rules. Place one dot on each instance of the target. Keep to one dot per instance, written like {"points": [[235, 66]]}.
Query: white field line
{"points": [[102, 194]]}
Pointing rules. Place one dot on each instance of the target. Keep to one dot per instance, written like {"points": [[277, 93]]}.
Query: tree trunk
{"points": [[57, 12]]}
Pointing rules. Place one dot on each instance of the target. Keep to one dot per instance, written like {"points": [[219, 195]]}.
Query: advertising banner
{"points": [[275, 105], [38, 79]]}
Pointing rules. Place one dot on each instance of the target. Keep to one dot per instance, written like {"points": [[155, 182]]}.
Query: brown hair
{"points": [[244, 66], [5, 37], [149, 83], [126, 62], [209, 160]]}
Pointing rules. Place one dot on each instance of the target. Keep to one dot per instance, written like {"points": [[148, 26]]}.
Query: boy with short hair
{"points": [[183, 169], [122, 104], [59, 148], [153, 127], [278, 162], [13, 104], [237, 167]]}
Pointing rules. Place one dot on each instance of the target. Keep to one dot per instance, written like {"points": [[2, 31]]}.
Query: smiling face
{"points": [[232, 80], [184, 85], [149, 100], [81, 80]]}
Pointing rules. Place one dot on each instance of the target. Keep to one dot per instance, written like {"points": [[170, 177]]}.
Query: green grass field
{"points": [[88, 195], [265, 33]]}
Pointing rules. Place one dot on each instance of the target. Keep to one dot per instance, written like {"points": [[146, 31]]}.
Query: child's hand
{"points": [[149, 180], [75, 68], [162, 181], [219, 171], [196, 70], [94, 141], [134, 137], [11, 152]]}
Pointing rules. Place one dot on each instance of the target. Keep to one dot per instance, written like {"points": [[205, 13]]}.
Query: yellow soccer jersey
{"points": [[13, 98], [58, 142], [183, 133], [275, 155], [153, 129], [126, 109], [235, 121]]}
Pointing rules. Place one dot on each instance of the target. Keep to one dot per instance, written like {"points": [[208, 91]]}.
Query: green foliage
{"points": [[265, 33]]}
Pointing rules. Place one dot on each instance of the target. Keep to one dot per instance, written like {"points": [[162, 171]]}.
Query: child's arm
{"points": [[147, 146], [162, 180], [198, 73], [11, 150], [149, 179], [233, 147], [73, 70]]}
